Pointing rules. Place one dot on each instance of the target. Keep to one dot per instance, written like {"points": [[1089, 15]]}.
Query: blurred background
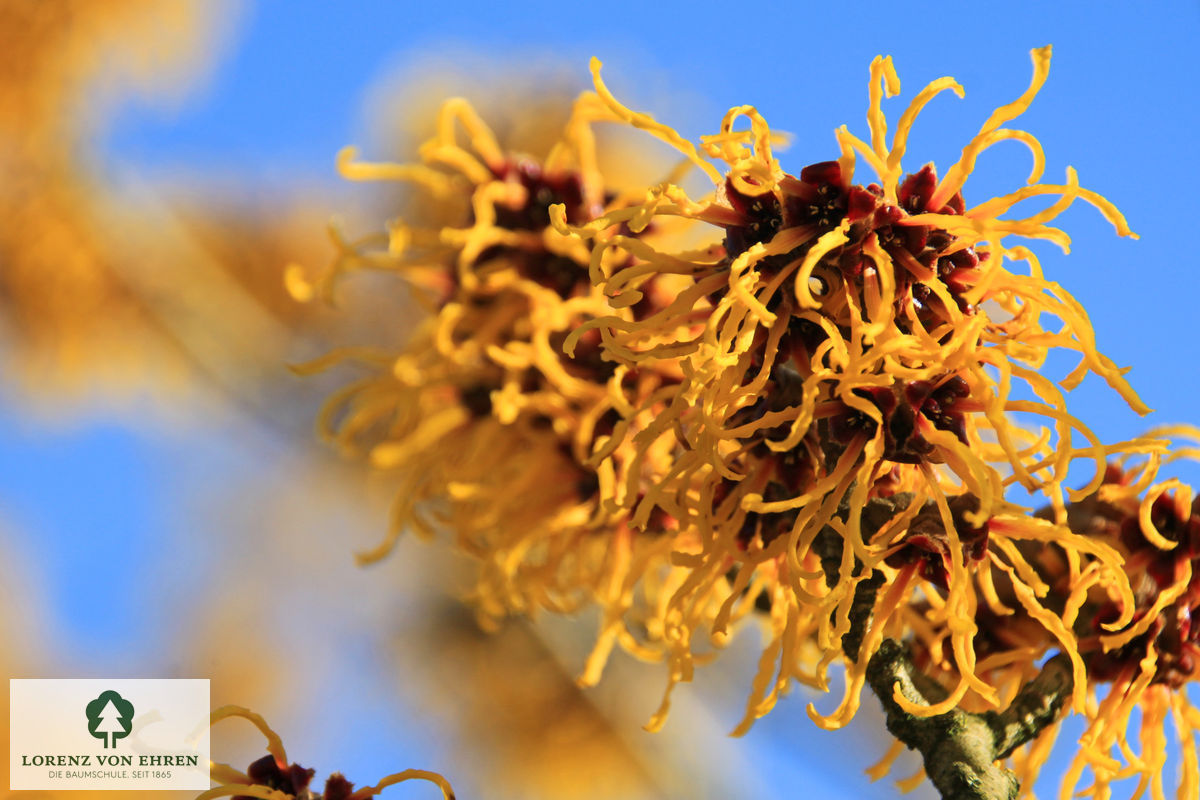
{"points": [[165, 510]]}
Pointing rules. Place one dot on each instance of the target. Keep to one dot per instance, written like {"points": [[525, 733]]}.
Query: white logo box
{"points": [[57, 742]]}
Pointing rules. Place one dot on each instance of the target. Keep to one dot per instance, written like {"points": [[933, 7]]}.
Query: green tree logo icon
{"points": [[110, 717]]}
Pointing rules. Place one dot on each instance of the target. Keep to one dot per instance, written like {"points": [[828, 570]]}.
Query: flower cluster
{"points": [[1148, 663], [488, 426], [1139, 651], [813, 418], [848, 344]]}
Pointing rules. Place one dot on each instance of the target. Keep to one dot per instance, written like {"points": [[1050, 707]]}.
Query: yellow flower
{"points": [[273, 778], [812, 420], [1149, 663], [1145, 662], [487, 426], [848, 348]]}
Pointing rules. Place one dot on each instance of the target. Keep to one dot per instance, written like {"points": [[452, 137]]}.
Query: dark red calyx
{"points": [[542, 190], [893, 238], [658, 521], [784, 389], [954, 205], [801, 341], [851, 423], [917, 190], [886, 215], [763, 216], [764, 527], [651, 303], [584, 479], [860, 203], [899, 405], [607, 423], [818, 198], [823, 172], [1174, 524], [911, 248], [337, 788], [939, 406], [292, 780], [587, 362], [587, 486], [927, 543], [562, 275], [997, 633], [889, 483], [531, 381], [767, 527], [477, 399], [1174, 635], [1114, 474], [960, 259]]}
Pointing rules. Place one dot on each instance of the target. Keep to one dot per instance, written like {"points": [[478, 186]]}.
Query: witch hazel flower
{"points": [[847, 419]]}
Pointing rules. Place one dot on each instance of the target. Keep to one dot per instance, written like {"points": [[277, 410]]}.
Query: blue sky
{"points": [[288, 87]]}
